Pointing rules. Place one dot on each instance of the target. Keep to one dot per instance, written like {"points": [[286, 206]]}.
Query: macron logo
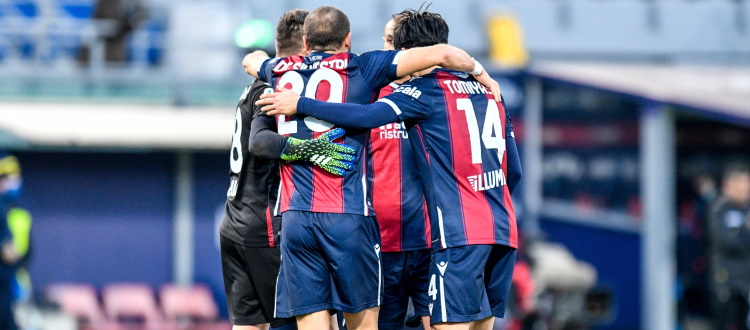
{"points": [[377, 249], [430, 306], [441, 267]]}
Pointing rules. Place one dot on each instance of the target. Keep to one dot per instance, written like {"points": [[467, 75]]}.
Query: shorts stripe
{"points": [[380, 275], [443, 314], [442, 230]]}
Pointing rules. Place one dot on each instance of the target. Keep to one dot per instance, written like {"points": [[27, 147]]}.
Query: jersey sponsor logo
{"points": [[411, 91], [465, 87], [487, 180], [393, 131]]}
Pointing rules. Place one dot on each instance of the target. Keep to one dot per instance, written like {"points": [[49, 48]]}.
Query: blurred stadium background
{"points": [[122, 119]]}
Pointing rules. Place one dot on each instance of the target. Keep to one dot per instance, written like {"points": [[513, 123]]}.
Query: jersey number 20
{"points": [[294, 79]]}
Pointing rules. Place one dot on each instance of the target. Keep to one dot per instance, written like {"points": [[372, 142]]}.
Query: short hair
{"points": [[419, 29], [326, 28], [289, 32]]}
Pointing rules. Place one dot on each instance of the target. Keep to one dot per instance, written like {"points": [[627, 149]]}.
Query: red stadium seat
{"points": [[132, 304], [190, 307], [80, 301]]}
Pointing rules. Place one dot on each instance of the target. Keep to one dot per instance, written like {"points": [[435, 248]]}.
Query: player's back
{"points": [[397, 195], [253, 182], [462, 133], [342, 77]]}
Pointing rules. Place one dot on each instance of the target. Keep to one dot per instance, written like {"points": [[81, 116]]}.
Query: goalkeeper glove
{"points": [[335, 158]]}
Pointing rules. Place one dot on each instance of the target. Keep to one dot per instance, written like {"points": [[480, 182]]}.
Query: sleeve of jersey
{"points": [[265, 72], [378, 67], [264, 141], [514, 161], [348, 114], [405, 106]]}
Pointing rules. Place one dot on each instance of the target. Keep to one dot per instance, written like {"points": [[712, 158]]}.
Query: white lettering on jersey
{"points": [[288, 65], [393, 131], [411, 91], [487, 180], [465, 87]]}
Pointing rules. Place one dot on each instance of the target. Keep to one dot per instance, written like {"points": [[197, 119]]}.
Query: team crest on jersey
{"points": [[393, 131], [487, 180]]}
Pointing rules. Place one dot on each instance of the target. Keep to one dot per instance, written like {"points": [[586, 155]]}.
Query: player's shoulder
{"points": [[441, 73], [280, 65], [375, 55], [257, 88], [252, 93]]}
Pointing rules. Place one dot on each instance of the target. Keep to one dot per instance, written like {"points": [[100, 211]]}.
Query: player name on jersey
{"points": [[465, 87], [289, 64], [487, 180]]}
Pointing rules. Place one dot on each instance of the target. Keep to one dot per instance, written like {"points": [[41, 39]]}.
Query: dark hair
{"points": [[418, 29], [326, 28], [289, 32], [735, 168]]}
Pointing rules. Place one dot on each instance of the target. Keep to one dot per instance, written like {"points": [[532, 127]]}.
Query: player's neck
{"points": [[342, 49], [424, 72]]}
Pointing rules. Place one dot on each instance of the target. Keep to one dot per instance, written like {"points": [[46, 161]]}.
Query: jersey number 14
{"points": [[492, 134]]}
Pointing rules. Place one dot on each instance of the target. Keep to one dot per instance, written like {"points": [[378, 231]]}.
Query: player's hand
{"points": [[251, 62], [283, 102], [335, 158], [485, 79]]}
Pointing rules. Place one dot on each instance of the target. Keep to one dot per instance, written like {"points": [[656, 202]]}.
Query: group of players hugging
{"points": [[360, 182]]}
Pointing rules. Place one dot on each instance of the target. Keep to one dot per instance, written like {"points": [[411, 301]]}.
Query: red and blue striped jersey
{"points": [[468, 155], [397, 194], [343, 77]]}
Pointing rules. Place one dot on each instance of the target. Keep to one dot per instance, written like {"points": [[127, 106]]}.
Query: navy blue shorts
{"points": [[470, 283], [405, 276], [328, 261]]}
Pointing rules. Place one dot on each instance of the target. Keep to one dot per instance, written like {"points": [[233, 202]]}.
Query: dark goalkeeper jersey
{"points": [[253, 182]]}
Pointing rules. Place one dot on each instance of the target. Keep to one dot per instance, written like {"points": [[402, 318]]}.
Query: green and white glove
{"points": [[335, 158]]}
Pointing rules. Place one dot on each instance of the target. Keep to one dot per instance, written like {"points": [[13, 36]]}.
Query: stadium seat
{"points": [[190, 307], [80, 300], [132, 304]]}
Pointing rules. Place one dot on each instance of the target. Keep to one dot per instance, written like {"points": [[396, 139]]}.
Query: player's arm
{"points": [[336, 158], [350, 115], [253, 62], [448, 57], [514, 161], [264, 141]]}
